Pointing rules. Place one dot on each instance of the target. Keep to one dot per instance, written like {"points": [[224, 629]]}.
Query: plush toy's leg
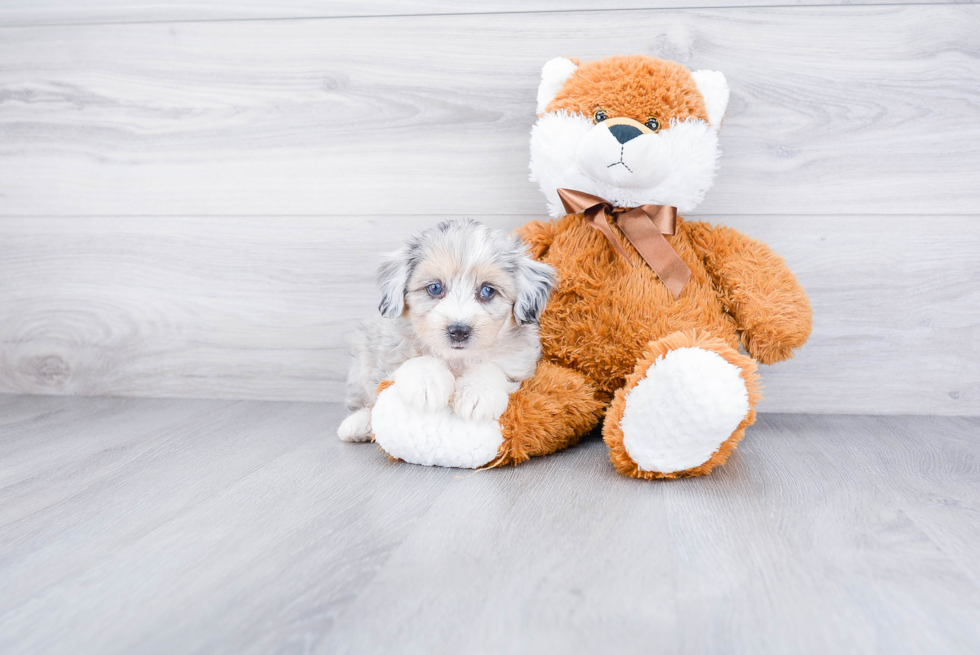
{"points": [[431, 437], [550, 412], [683, 410]]}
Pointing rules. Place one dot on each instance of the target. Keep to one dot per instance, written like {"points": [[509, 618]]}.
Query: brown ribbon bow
{"points": [[644, 226]]}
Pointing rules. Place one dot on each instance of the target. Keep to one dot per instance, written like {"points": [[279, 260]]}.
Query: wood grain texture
{"points": [[195, 209], [262, 307], [803, 544], [203, 525], [854, 109], [165, 526], [65, 12]]}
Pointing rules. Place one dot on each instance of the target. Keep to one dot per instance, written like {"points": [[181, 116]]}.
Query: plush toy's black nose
{"points": [[458, 332], [624, 133]]}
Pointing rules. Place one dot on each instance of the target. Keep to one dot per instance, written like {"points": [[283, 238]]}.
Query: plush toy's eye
{"points": [[487, 292], [653, 124], [434, 289], [599, 116]]}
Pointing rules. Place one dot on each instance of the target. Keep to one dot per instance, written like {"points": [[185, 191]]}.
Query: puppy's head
{"points": [[464, 287], [634, 130]]}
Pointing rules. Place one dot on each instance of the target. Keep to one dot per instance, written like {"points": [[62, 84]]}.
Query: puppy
{"points": [[458, 325]]}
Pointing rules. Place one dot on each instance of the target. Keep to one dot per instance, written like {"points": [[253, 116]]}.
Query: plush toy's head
{"points": [[633, 130]]}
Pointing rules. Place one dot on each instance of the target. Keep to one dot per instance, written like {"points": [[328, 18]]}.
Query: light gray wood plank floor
{"points": [[186, 526]]}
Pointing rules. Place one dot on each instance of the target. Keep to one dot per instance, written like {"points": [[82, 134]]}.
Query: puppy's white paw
{"points": [[482, 394], [356, 427], [425, 383]]}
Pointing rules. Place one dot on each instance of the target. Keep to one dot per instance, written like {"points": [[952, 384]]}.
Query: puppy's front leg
{"points": [[424, 382], [482, 393]]}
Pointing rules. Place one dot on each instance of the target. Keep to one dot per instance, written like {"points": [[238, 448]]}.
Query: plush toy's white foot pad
{"points": [[689, 403], [438, 438]]}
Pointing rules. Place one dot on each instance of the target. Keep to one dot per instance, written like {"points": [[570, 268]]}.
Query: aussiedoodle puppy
{"points": [[458, 325]]}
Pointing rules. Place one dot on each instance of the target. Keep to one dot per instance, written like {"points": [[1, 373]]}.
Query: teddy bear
{"points": [[657, 323]]}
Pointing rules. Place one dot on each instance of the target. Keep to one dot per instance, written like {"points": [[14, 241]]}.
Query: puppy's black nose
{"points": [[458, 332], [624, 133]]}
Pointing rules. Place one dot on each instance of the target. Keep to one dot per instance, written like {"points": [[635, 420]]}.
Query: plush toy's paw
{"points": [[424, 383], [688, 404], [481, 394], [356, 427], [683, 410], [439, 438]]}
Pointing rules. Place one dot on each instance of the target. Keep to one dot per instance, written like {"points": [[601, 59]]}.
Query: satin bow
{"points": [[644, 227]]}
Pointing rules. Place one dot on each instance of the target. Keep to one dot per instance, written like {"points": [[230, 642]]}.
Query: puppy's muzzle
{"points": [[459, 334]]}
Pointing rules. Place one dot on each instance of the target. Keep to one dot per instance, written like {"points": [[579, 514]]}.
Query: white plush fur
{"points": [[689, 403], [714, 89], [675, 166], [439, 438], [553, 76]]}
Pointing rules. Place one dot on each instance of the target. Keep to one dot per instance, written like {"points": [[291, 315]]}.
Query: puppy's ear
{"points": [[535, 282], [393, 277]]}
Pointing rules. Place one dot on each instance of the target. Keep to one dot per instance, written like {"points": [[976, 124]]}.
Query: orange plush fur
{"points": [[551, 411], [632, 87], [610, 321], [607, 322]]}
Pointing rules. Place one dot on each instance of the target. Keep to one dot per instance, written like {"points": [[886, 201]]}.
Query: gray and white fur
{"points": [[457, 325]]}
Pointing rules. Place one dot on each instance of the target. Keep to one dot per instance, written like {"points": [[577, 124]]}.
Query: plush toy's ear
{"points": [[553, 76], [714, 88]]}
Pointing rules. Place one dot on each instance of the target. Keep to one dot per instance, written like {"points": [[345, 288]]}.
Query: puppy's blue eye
{"points": [[487, 292], [435, 289]]}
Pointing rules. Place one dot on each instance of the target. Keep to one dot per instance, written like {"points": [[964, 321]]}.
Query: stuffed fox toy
{"points": [[644, 329]]}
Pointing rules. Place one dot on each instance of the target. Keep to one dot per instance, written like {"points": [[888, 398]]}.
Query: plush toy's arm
{"points": [[538, 236], [758, 289]]}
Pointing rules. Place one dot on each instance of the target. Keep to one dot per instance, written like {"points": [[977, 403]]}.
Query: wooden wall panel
{"points": [[853, 109], [194, 208], [261, 307], [61, 12]]}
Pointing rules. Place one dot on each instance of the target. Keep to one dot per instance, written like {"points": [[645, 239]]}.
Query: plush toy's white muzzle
{"points": [[613, 155], [674, 166]]}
